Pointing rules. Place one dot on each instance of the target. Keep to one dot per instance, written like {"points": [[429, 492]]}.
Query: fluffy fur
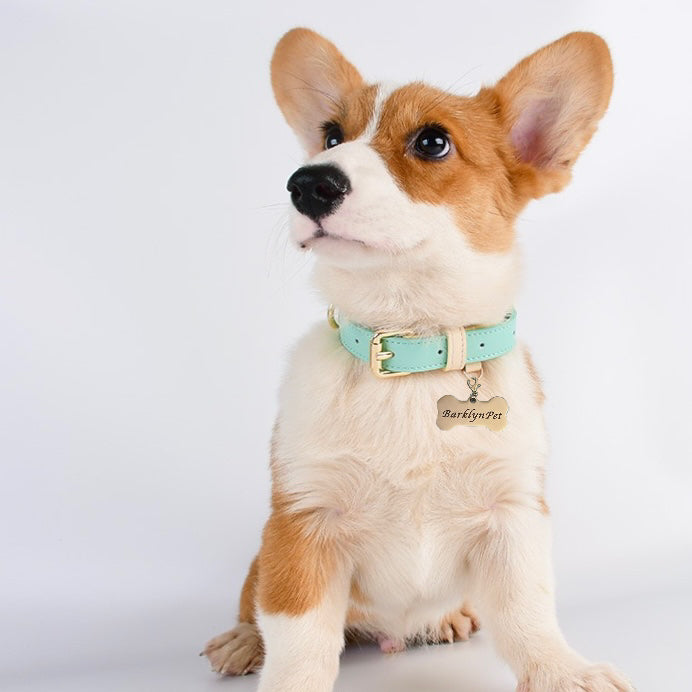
{"points": [[381, 524]]}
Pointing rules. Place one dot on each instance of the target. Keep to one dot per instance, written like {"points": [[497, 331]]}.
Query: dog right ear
{"points": [[550, 104], [310, 77]]}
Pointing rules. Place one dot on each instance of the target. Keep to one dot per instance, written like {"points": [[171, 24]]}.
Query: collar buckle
{"points": [[378, 356]]}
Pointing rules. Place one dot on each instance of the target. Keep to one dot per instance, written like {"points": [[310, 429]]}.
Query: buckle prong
{"points": [[378, 356]]}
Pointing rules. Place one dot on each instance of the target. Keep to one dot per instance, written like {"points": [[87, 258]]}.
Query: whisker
{"points": [[447, 92], [272, 206], [277, 249]]}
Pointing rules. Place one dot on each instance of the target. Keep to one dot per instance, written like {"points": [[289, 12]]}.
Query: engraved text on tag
{"points": [[451, 412]]}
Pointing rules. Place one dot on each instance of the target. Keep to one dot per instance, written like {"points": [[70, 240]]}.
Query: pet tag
{"points": [[451, 411]]}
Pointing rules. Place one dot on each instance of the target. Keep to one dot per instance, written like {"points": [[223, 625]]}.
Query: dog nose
{"points": [[318, 190]]}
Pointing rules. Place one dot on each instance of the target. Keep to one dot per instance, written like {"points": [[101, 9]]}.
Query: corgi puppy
{"points": [[383, 523]]}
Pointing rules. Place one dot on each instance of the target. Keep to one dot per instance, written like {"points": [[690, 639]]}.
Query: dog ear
{"points": [[550, 105], [310, 77]]}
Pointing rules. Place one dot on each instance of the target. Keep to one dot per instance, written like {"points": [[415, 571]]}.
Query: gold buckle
{"points": [[377, 355]]}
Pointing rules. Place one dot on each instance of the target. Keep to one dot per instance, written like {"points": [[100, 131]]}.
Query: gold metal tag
{"points": [[451, 411]]}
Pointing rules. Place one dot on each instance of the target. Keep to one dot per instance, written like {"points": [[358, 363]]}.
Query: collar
{"points": [[392, 354]]}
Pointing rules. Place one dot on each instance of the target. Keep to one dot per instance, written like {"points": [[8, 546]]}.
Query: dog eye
{"points": [[432, 143], [333, 136]]}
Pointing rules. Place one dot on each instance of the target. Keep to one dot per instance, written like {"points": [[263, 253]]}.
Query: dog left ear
{"points": [[310, 77], [550, 105]]}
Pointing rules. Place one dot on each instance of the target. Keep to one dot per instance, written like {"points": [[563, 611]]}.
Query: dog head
{"points": [[410, 194]]}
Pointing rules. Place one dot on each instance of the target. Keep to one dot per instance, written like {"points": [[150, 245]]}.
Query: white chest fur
{"points": [[368, 455]]}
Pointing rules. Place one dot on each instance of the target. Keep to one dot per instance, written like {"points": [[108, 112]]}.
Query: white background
{"points": [[148, 296]]}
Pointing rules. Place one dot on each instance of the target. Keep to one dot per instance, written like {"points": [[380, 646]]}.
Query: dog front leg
{"points": [[303, 591], [514, 584]]}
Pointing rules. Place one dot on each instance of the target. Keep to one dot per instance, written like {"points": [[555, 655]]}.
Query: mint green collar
{"points": [[393, 353]]}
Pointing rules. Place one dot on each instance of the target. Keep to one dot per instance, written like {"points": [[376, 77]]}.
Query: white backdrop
{"points": [[148, 298]]}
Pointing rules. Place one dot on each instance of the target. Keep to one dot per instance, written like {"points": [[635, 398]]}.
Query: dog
{"points": [[383, 524]]}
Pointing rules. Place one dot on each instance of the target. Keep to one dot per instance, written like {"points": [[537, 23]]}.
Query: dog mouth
{"points": [[320, 233]]}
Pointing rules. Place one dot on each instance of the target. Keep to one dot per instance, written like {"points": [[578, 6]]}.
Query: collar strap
{"points": [[392, 354]]}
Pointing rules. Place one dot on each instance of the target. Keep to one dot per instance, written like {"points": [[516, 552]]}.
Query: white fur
{"points": [[416, 270], [427, 517], [303, 651], [384, 91], [407, 497]]}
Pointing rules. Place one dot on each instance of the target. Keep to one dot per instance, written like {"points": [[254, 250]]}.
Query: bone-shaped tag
{"points": [[451, 412]]}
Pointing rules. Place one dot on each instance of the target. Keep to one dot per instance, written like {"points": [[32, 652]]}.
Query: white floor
{"points": [[649, 638]]}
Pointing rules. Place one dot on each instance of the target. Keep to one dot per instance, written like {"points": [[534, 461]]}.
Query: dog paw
{"points": [[237, 652], [456, 626], [590, 678]]}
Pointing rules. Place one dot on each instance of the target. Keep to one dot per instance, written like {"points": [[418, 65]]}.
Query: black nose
{"points": [[317, 191]]}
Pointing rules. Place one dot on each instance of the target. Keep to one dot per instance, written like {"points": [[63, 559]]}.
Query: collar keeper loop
{"points": [[456, 349]]}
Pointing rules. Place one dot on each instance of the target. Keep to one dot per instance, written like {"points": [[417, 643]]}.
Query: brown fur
{"points": [[310, 78], [485, 181], [246, 612], [357, 595], [580, 63], [355, 617], [472, 180], [355, 111], [295, 562]]}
